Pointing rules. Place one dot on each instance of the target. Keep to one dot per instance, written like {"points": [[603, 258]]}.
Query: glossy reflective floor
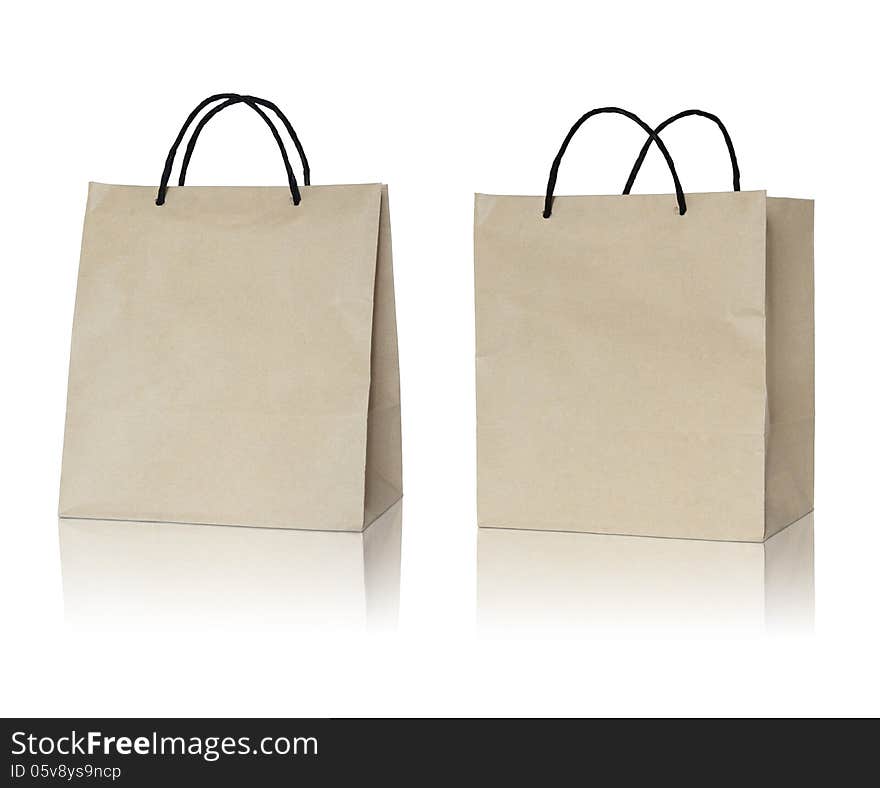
{"points": [[135, 575], [161, 575], [570, 580]]}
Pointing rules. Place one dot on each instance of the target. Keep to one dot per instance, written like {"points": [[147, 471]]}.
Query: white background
{"points": [[439, 101]]}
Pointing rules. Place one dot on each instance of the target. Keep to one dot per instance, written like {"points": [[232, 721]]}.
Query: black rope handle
{"points": [[169, 160], [687, 113], [190, 147], [554, 170]]}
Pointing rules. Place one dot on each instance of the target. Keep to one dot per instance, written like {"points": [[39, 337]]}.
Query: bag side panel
{"points": [[790, 362], [384, 482]]}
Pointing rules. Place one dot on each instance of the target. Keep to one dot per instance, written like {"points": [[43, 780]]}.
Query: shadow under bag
{"points": [[234, 353], [645, 362]]}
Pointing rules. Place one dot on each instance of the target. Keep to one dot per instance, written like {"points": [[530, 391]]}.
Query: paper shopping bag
{"points": [[234, 353], [644, 362]]}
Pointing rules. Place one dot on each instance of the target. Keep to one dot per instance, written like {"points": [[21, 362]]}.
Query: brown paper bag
{"points": [[234, 354], [644, 363]]}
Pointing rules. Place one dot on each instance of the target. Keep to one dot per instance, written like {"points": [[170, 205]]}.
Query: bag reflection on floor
{"points": [[561, 580], [144, 575]]}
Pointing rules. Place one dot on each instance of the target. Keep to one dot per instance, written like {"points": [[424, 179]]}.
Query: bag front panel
{"points": [[621, 364], [220, 360]]}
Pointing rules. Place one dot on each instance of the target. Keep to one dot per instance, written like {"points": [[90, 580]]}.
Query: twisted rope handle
{"points": [[169, 160], [554, 169], [687, 113], [190, 147]]}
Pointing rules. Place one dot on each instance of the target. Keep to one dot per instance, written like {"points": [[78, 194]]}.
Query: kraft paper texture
{"points": [[234, 359], [641, 372]]}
